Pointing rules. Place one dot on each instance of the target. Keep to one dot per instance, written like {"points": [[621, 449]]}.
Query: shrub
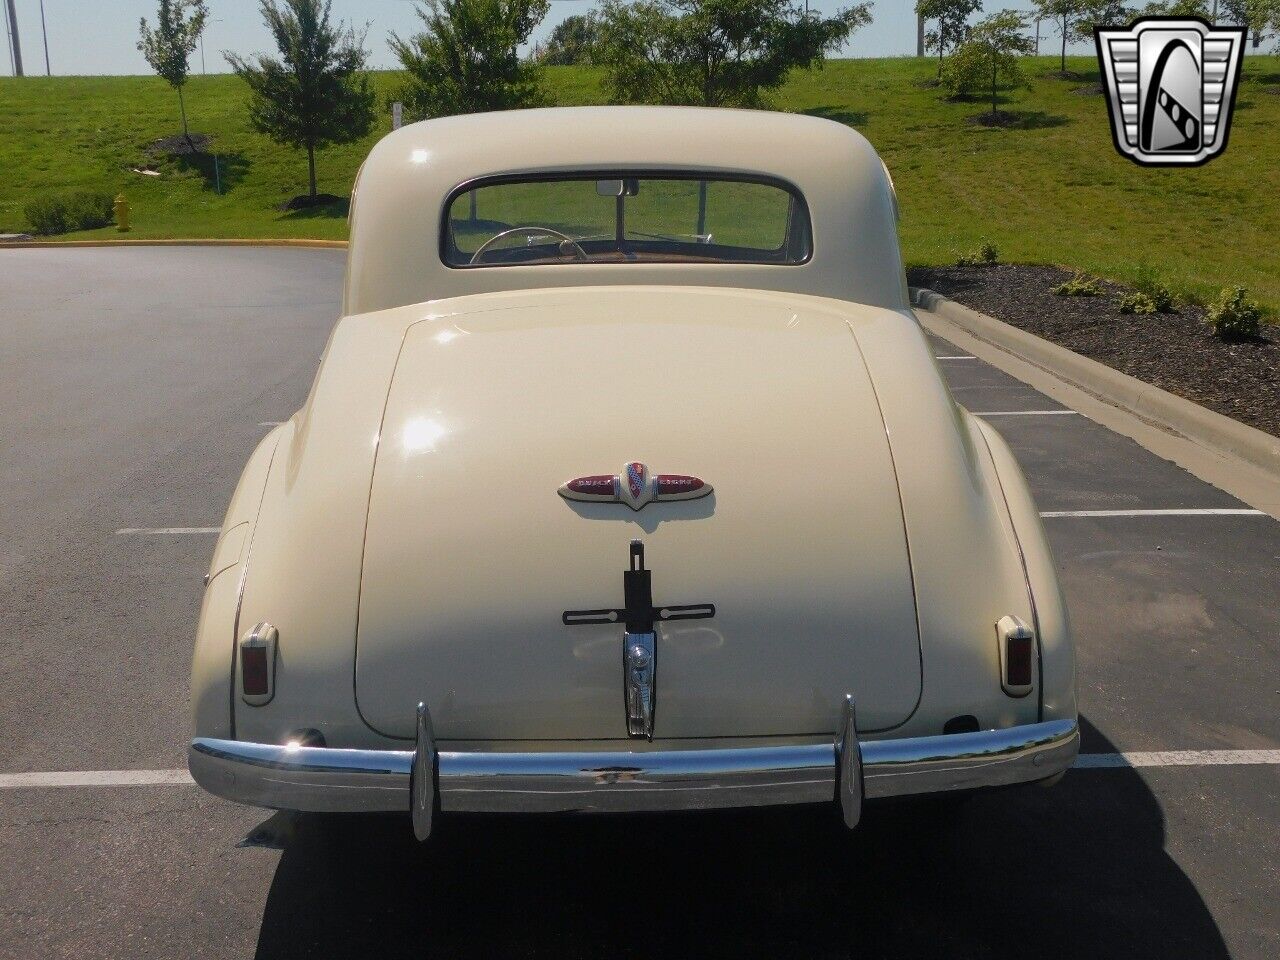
{"points": [[1233, 316], [48, 215], [83, 210], [1137, 302], [1148, 283], [1078, 286], [89, 210], [985, 255]]}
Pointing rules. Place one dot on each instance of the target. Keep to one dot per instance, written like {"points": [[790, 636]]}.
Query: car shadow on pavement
{"points": [[1076, 871]]}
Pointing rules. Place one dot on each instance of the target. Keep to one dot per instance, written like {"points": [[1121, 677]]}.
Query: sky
{"points": [[100, 36]]}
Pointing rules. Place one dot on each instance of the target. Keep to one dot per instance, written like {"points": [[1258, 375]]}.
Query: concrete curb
{"points": [[206, 242], [1238, 459]]}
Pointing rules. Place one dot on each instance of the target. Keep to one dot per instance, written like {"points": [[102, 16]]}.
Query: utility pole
{"points": [[13, 38], [919, 35], [45, 33]]}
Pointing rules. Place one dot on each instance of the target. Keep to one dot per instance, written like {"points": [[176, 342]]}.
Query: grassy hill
{"points": [[1050, 190]]}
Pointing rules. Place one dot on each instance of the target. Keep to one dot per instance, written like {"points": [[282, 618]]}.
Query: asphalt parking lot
{"points": [[133, 385]]}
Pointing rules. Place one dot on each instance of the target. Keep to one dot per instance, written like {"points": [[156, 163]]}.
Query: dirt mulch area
{"points": [[1172, 351], [179, 145], [306, 201]]}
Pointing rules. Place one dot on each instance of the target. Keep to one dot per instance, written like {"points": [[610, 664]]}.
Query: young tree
{"points": [[1177, 8], [952, 23], [179, 24], [1065, 15], [1100, 14], [467, 59], [572, 41], [1258, 16], [317, 93], [715, 53], [991, 54]]}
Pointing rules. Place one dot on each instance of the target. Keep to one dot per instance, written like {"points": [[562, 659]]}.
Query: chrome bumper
{"points": [[422, 780]]}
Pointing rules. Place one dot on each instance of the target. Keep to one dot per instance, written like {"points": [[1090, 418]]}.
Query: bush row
{"points": [[62, 213]]}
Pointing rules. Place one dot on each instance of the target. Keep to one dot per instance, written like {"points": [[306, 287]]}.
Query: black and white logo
{"points": [[1170, 84]]}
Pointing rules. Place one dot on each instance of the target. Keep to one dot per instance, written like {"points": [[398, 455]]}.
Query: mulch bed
{"points": [[305, 202], [180, 145], [1173, 351], [1001, 118]]}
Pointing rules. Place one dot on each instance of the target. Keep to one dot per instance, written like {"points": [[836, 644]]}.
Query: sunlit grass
{"points": [[1052, 191]]}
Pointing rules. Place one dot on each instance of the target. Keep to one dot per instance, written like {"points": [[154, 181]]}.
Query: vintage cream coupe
{"points": [[628, 482]]}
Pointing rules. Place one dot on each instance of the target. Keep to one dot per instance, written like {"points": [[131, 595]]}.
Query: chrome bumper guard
{"points": [[425, 779]]}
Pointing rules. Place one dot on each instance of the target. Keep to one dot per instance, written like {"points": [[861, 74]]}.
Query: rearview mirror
{"points": [[627, 187]]}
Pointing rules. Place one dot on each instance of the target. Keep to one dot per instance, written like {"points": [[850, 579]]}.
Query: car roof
{"points": [[402, 188]]}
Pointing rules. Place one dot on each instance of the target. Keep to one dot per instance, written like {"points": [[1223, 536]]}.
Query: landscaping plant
{"points": [[713, 53], [572, 41], [1233, 316], [951, 24], [1081, 285], [82, 210], [1136, 302], [317, 93], [467, 60], [990, 55], [1148, 284], [986, 255], [167, 48]]}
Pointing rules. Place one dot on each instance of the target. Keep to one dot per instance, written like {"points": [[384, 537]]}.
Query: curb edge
{"points": [[1160, 408]]}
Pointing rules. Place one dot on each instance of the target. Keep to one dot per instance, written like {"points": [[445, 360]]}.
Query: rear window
{"points": [[596, 218]]}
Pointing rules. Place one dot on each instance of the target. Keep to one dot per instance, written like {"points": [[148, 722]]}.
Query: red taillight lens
{"points": [[1018, 651], [253, 671]]}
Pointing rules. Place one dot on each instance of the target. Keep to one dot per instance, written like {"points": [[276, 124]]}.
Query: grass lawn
{"points": [[1050, 190]]}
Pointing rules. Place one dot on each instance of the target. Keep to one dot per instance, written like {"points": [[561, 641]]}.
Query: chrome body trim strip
{"points": [[326, 779]]}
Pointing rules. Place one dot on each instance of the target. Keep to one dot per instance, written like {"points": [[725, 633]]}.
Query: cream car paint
{"points": [[325, 525]]}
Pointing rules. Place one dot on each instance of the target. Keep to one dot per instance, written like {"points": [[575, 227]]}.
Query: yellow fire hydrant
{"points": [[121, 208]]}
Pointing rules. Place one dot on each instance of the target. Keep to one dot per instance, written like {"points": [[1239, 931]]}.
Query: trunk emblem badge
{"points": [[635, 486]]}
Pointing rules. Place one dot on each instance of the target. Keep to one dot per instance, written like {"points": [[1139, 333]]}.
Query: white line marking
{"points": [[1086, 761], [1025, 413], [956, 358], [270, 423], [153, 531], [1205, 512], [1177, 758], [96, 778]]}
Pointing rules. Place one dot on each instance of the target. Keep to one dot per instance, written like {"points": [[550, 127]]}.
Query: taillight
{"points": [[1017, 656], [258, 664]]}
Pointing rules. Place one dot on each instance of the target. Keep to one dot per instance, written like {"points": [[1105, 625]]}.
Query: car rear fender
{"points": [[211, 664], [1057, 653]]}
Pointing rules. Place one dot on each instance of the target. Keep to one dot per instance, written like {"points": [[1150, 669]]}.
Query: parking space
{"points": [[136, 382]]}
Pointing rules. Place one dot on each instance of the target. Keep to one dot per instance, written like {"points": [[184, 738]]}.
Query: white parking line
{"points": [[1086, 761], [1024, 413], [1177, 758], [152, 531], [270, 423], [1203, 512], [96, 778], [956, 358]]}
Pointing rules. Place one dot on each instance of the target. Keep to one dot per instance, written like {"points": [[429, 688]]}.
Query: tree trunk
{"points": [[311, 168], [1064, 45], [182, 108], [993, 91], [939, 54]]}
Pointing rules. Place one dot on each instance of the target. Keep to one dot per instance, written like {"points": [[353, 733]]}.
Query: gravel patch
{"points": [[1172, 351]]}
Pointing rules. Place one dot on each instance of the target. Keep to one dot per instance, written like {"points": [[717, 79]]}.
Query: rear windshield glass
{"points": [[623, 219]]}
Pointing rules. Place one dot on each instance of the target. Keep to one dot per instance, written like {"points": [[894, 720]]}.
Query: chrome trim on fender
{"points": [[325, 779]]}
